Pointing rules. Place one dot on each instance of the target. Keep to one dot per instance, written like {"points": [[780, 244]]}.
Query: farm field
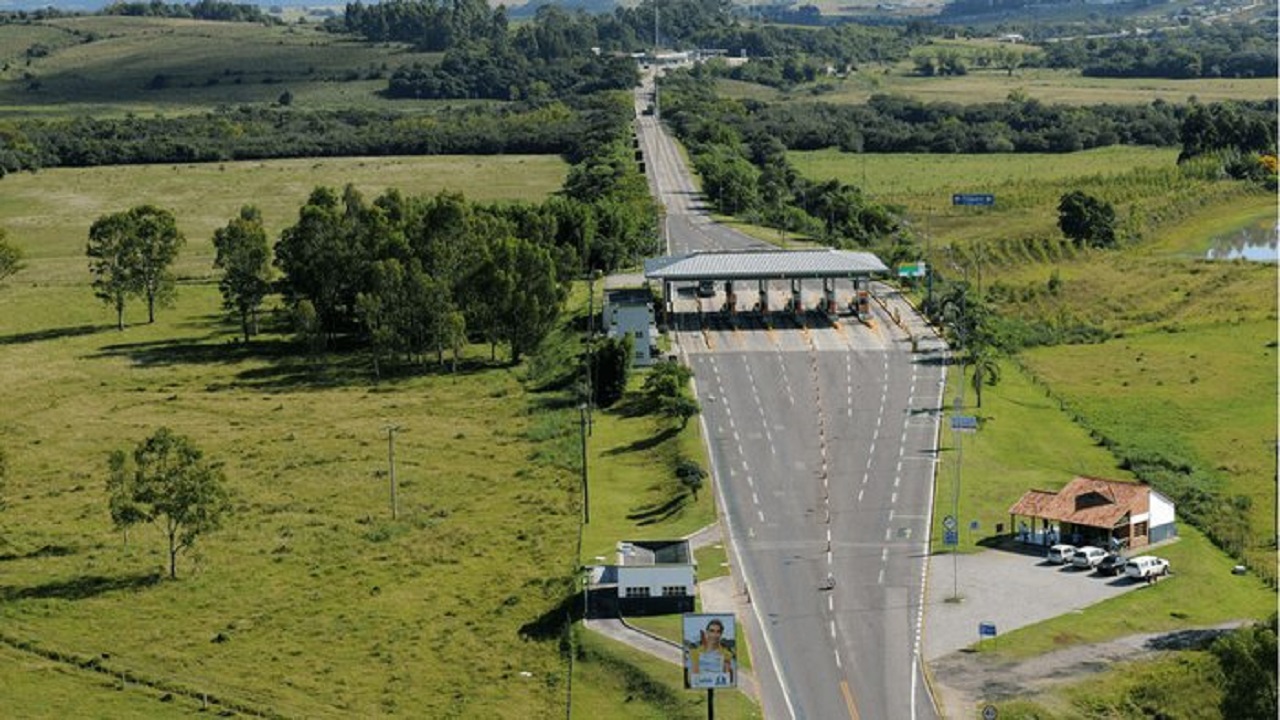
{"points": [[312, 601], [110, 66], [48, 213], [1050, 86], [311, 583]]}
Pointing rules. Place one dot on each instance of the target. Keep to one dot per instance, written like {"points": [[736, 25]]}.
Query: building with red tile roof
{"points": [[1096, 511]]}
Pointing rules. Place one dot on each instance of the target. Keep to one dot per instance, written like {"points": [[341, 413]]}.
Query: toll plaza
{"points": [[769, 284]]}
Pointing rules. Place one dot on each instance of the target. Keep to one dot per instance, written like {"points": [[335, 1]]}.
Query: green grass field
{"points": [[312, 601], [107, 65], [48, 213], [1056, 87]]}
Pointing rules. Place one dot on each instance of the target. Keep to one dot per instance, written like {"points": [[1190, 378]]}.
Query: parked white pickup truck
{"points": [[1146, 566]]}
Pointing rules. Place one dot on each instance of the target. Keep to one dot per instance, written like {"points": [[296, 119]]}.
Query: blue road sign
{"points": [[973, 199], [987, 629], [952, 537], [964, 423]]}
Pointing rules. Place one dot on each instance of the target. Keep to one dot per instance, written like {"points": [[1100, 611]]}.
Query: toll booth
{"points": [[796, 304], [828, 304], [861, 303]]}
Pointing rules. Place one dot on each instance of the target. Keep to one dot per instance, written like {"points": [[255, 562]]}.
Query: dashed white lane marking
{"points": [[860, 495], [884, 554], [833, 628], [760, 514], [755, 498], [893, 498], [838, 665], [829, 559], [831, 603], [880, 580]]}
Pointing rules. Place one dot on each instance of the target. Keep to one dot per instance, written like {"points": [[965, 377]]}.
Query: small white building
{"points": [[629, 311], [652, 577]]}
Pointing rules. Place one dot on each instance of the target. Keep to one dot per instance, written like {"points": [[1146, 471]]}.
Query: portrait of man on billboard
{"points": [[709, 658]]}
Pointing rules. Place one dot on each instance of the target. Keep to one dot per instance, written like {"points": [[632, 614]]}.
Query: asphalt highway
{"points": [[822, 438]]}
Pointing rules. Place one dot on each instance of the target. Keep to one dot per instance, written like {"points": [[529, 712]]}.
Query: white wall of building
{"points": [[1161, 510], [655, 577]]}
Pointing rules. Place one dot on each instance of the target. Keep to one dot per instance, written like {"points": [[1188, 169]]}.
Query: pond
{"points": [[1256, 242]]}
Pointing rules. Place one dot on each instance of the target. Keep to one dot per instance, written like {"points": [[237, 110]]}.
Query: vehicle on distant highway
{"points": [[1146, 566], [1061, 554], [1087, 557], [1111, 565]]}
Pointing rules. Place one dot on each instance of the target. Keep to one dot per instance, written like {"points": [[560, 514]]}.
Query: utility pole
{"points": [[586, 497], [391, 463]]}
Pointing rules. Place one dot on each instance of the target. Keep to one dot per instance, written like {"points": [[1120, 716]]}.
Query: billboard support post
{"points": [[711, 704]]}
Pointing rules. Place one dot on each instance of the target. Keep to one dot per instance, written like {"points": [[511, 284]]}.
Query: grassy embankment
{"points": [[1188, 373], [1053, 86], [311, 601], [108, 66]]}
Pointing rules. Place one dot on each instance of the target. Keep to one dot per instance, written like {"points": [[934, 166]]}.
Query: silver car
{"points": [[1088, 557]]}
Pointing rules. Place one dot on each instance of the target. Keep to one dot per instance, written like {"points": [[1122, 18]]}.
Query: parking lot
{"points": [[1011, 588]]}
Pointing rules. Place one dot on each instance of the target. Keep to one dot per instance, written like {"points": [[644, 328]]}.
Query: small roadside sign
{"points": [[987, 629], [913, 271], [951, 537], [964, 423], [973, 199], [949, 522]]}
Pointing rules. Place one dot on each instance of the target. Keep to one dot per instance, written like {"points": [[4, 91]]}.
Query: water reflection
{"points": [[1256, 242]]}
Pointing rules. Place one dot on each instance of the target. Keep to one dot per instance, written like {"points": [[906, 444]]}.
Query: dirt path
{"points": [[964, 681]]}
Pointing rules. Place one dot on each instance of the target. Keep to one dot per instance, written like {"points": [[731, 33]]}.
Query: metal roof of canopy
{"points": [[763, 265]]}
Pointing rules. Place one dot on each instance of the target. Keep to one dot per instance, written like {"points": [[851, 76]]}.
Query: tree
{"points": [[681, 407], [526, 294], [691, 475], [1087, 220], [986, 370], [666, 380], [610, 367], [10, 258], [1248, 660], [245, 257], [110, 260], [157, 240], [166, 481]]}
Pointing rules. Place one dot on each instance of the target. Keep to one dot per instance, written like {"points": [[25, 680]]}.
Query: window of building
{"points": [[673, 591], [638, 592], [1140, 529]]}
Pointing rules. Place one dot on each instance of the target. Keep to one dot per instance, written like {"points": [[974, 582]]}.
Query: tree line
{"points": [[201, 10], [897, 124], [255, 133], [1232, 50], [407, 276], [745, 172]]}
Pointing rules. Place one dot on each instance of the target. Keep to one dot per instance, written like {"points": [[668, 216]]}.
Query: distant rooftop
{"points": [[764, 265], [654, 552]]}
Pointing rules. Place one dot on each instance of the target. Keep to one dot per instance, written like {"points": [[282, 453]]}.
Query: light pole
{"points": [[586, 497]]}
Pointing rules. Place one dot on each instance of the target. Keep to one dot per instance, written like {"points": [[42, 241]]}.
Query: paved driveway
{"points": [[1011, 587]]}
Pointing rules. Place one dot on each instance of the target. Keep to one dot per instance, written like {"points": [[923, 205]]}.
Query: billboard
{"points": [[710, 644]]}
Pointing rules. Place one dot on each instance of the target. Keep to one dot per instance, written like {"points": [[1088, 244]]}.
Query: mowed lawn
{"points": [[311, 601]]}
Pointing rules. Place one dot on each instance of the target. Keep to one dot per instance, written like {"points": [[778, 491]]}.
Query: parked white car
{"points": [[1146, 566], [1061, 554], [1088, 557]]}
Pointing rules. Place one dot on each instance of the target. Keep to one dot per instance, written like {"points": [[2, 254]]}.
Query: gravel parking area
{"points": [[1012, 587]]}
